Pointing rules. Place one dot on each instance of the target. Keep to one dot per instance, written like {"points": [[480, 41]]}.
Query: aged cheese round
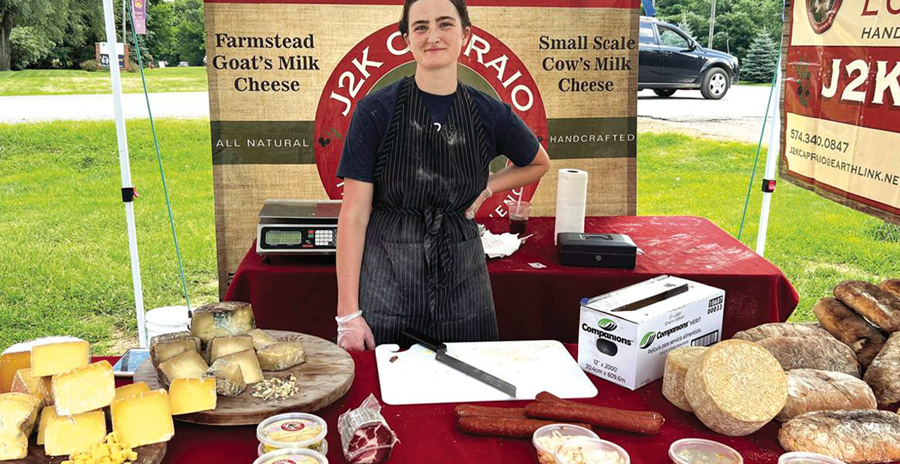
{"points": [[736, 387], [782, 329], [677, 363], [826, 354], [814, 390]]}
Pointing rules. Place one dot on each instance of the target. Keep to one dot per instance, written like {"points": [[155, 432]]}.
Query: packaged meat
{"points": [[366, 437]]}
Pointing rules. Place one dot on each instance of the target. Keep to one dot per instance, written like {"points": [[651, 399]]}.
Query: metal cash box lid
{"points": [[617, 244]]}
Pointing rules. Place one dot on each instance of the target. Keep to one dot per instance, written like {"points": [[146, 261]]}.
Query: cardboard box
{"points": [[624, 335]]}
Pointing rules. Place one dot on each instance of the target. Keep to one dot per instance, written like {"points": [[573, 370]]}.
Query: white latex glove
{"points": [[354, 333], [473, 208]]}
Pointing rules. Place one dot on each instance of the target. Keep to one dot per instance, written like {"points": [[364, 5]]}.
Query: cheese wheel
{"points": [[677, 363], [826, 354], [884, 373], [782, 329], [736, 387], [814, 390]]}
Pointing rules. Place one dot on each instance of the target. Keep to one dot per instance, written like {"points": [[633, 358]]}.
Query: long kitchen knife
{"points": [[441, 356]]}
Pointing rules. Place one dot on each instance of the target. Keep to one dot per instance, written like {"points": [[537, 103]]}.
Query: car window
{"points": [[670, 38], [647, 36]]}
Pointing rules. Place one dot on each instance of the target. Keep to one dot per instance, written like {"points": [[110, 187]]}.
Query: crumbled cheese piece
{"points": [[112, 451]]}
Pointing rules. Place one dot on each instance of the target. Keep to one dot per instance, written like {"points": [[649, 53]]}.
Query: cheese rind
{"points": [[84, 389], [126, 391], [223, 346], [187, 365], [24, 382], [261, 338], [166, 349], [192, 395], [736, 387], [280, 356], [18, 414], [222, 319], [143, 419], [229, 379], [57, 358], [677, 363], [249, 365], [65, 435]]}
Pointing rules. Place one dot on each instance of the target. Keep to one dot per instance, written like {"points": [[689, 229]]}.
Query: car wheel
{"points": [[715, 84], [664, 92]]}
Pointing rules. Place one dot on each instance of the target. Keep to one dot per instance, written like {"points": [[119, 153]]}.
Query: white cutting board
{"points": [[533, 366]]}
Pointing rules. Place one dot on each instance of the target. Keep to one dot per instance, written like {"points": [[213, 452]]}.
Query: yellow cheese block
{"points": [[46, 414], [18, 414], [192, 395], [261, 338], [18, 357], [187, 365], [223, 346], [84, 389], [65, 435], [221, 319], [131, 389], [249, 365], [143, 419], [24, 382], [57, 358], [280, 356]]}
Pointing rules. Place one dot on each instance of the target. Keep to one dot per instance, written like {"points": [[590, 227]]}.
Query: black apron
{"points": [[423, 266]]}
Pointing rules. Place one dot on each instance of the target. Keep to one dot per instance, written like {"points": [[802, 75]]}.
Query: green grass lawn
{"points": [[68, 82], [65, 269]]}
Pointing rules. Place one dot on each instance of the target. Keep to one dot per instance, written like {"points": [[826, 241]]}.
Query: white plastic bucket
{"points": [[167, 319]]}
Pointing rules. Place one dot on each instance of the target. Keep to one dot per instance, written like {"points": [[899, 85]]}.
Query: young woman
{"points": [[416, 168]]}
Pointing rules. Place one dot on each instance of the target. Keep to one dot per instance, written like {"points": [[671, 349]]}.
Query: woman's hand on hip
{"points": [[473, 208], [355, 335]]}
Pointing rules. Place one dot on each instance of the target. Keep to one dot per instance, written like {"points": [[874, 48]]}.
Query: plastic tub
{"points": [[292, 456], [591, 451], [800, 457], [292, 430], [168, 319], [689, 450], [322, 449], [545, 450]]}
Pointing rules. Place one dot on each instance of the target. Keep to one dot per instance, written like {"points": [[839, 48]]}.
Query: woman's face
{"points": [[436, 35]]}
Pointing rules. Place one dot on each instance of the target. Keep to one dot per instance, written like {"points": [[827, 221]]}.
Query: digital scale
{"points": [[298, 227]]}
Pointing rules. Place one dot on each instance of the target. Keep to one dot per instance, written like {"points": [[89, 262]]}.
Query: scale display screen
{"points": [[283, 237]]}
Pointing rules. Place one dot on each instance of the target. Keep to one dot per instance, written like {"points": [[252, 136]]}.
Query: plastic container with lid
{"points": [[801, 457], [292, 430], [591, 451], [547, 438], [292, 456], [322, 449], [699, 451]]}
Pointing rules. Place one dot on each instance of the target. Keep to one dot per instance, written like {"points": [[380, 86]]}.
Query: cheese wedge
{"points": [[24, 382], [280, 356], [143, 419], [261, 338], [131, 389], [18, 357], [84, 389], [229, 379], [222, 319], [249, 365], [192, 395], [18, 414], [223, 346], [46, 414], [65, 435], [57, 358], [187, 365], [166, 349]]}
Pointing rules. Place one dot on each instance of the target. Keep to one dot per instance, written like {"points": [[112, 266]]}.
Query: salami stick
{"points": [[645, 422], [468, 410], [507, 427]]}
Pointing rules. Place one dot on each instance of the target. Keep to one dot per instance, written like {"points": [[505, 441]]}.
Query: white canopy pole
{"points": [[771, 163], [124, 167]]}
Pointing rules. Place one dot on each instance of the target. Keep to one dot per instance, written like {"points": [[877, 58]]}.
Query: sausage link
{"points": [[464, 410], [503, 426], [645, 422]]}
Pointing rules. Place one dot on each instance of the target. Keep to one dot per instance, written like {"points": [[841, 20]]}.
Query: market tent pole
{"points": [[124, 167], [771, 163]]}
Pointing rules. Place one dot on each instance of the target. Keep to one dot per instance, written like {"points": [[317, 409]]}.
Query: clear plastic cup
{"points": [[591, 451], [519, 211], [292, 430], [547, 438], [692, 450], [292, 456], [801, 457], [323, 448]]}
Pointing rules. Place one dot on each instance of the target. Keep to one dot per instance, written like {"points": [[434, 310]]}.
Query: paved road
{"points": [[67, 107]]}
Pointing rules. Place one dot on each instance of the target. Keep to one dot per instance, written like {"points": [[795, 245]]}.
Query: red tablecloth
{"points": [[428, 432], [300, 294]]}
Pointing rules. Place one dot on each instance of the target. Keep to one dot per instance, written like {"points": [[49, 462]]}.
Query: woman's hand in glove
{"points": [[354, 333], [484, 195]]}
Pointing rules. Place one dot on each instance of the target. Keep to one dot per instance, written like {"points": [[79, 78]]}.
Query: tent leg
{"points": [[771, 163]]}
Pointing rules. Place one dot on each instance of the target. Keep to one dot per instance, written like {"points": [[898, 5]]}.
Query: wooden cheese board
{"points": [[150, 454], [325, 376]]}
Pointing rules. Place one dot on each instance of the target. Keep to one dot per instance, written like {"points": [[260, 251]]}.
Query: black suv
{"points": [[670, 60]]}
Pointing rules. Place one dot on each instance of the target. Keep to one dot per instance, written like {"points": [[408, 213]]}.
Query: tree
{"points": [[685, 24], [190, 32], [45, 14], [762, 58]]}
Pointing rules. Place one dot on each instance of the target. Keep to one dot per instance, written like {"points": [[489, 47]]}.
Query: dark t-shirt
{"points": [[505, 131]]}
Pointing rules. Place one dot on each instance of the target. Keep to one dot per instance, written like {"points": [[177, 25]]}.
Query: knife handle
{"points": [[424, 340]]}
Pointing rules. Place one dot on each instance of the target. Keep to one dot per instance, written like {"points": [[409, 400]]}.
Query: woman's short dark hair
{"points": [[460, 8]]}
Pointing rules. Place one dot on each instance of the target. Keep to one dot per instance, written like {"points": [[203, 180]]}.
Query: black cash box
{"points": [[596, 250]]}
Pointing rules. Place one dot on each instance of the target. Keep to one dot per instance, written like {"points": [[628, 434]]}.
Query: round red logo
{"points": [[293, 426], [821, 13], [383, 58]]}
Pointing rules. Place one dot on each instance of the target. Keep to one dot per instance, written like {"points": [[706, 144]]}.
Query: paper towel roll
{"points": [[571, 201]]}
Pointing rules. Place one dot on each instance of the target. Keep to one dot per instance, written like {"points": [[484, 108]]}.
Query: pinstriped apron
{"points": [[423, 266]]}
